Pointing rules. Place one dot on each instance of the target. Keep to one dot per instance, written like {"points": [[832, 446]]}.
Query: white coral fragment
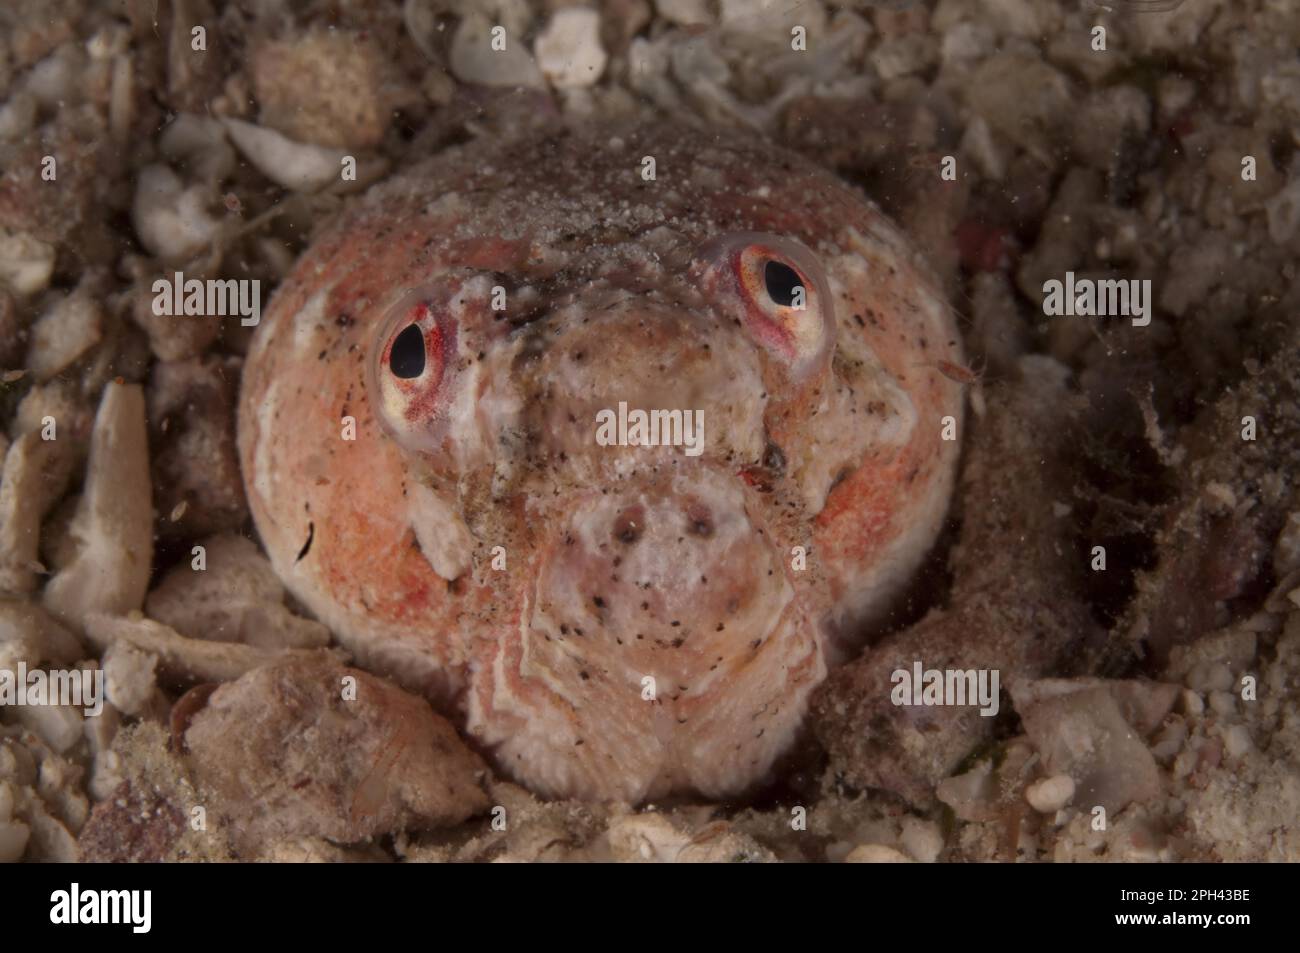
{"points": [[237, 598], [172, 220], [29, 634], [182, 659], [129, 673], [201, 143], [569, 51], [26, 264], [474, 60], [113, 525], [35, 471], [65, 332], [299, 166]]}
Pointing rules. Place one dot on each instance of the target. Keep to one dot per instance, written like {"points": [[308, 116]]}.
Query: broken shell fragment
{"points": [[200, 144], [1049, 795], [307, 747], [475, 60], [569, 51], [36, 472], [182, 660], [237, 598], [171, 219], [114, 520], [63, 334], [26, 264], [299, 166], [29, 634]]}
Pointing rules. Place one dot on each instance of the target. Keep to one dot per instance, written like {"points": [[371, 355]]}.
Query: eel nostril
{"points": [[774, 459], [699, 522], [629, 525]]}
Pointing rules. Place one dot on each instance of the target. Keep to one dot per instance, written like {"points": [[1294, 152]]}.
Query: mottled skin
{"points": [[822, 431]]}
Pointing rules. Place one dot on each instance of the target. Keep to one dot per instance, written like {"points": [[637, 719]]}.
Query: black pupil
{"points": [[406, 359], [781, 280]]}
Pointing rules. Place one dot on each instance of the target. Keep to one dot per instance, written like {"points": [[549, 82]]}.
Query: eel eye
{"points": [[409, 376], [780, 291], [406, 358], [784, 286]]}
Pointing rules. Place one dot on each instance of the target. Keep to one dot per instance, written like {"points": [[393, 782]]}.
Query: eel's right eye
{"points": [[406, 357], [409, 377]]}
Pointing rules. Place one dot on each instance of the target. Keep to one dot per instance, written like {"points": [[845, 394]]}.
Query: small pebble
{"points": [[1169, 740], [473, 60], [568, 51], [1222, 494], [170, 217], [1283, 213], [922, 839], [301, 166], [1050, 794], [13, 841], [26, 264], [1286, 553], [1210, 677], [1236, 741], [1224, 704], [876, 854], [684, 12]]}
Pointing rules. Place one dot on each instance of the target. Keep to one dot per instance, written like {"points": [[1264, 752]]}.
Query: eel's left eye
{"points": [[411, 369], [784, 286], [407, 359], [779, 289]]}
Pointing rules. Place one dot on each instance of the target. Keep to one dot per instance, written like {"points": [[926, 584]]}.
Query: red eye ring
{"points": [[437, 335], [782, 295], [412, 398]]}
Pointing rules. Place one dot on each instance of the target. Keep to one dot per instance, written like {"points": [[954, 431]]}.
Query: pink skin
{"points": [[651, 629]]}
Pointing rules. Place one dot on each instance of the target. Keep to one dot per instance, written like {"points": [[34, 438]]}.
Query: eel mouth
{"points": [[661, 647], [668, 572]]}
